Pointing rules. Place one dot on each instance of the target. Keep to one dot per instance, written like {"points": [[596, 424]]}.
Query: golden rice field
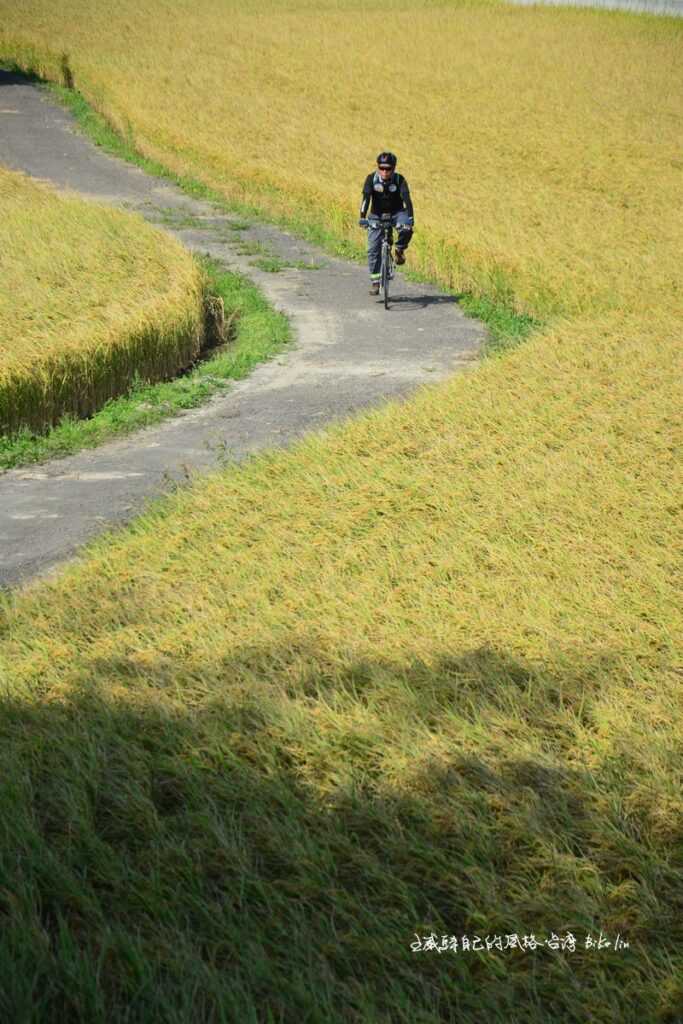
{"points": [[88, 297], [421, 673], [531, 138]]}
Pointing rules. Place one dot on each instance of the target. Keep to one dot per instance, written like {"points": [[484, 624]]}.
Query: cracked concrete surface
{"points": [[349, 353]]}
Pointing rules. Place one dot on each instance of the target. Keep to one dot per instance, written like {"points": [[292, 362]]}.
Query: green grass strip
{"points": [[259, 332], [507, 329]]}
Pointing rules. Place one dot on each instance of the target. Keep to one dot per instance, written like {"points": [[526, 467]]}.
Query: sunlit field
{"points": [[421, 674], [88, 298], [531, 138]]}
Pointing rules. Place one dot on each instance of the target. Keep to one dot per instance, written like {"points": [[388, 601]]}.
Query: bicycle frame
{"points": [[387, 265]]}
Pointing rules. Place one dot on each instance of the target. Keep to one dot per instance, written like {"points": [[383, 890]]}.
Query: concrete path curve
{"points": [[349, 352]]}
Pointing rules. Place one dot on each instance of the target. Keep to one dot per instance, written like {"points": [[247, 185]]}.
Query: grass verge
{"points": [[258, 332]]}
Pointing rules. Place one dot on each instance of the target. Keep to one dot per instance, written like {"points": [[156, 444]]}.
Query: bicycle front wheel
{"points": [[384, 281]]}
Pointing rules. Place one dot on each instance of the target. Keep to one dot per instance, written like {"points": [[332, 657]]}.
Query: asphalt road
{"points": [[349, 353]]}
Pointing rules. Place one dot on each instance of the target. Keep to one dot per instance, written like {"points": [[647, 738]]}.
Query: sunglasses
{"points": [[383, 168]]}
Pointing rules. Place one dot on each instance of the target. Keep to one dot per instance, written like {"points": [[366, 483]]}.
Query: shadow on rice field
{"points": [[226, 863]]}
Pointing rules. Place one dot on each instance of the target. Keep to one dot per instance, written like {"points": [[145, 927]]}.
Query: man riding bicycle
{"points": [[385, 191]]}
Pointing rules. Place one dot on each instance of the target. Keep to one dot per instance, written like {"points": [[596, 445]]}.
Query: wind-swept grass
{"points": [[416, 676], [90, 298]]}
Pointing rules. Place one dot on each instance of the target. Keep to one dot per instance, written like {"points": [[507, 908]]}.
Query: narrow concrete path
{"points": [[349, 353], [670, 8]]}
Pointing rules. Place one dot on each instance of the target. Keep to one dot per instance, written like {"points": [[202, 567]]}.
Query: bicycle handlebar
{"points": [[384, 221]]}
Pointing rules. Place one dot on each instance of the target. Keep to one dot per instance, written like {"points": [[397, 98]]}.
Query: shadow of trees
{"points": [[169, 863]]}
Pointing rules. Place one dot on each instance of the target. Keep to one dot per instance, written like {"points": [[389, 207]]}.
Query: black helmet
{"points": [[386, 160]]}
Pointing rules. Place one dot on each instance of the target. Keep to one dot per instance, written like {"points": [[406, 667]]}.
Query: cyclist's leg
{"points": [[374, 249], [401, 222]]}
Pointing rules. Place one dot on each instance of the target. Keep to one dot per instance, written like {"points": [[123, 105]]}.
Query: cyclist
{"points": [[385, 191]]}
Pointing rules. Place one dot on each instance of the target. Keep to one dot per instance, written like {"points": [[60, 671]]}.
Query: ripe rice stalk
{"points": [[90, 298]]}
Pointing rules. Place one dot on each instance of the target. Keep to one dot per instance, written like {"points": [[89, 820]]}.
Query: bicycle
{"points": [[386, 272]]}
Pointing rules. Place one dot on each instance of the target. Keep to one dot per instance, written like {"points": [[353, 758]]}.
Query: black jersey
{"points": [[389, 196]]}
